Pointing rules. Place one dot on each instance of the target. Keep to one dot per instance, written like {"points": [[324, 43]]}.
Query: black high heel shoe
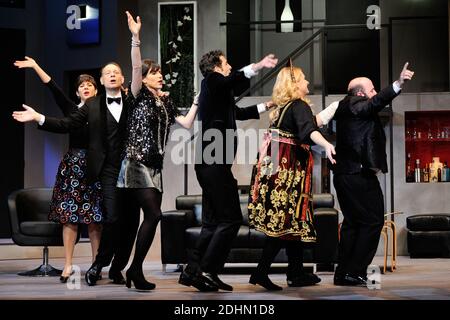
{"points": [[63, 279], [138, 280], [265, 282]]}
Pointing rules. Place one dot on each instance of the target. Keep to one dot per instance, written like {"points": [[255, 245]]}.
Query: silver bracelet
{"points": [[135, 43]]}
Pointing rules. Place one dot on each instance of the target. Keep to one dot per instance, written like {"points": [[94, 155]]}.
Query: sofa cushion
{"points": [[240, 241], [41, 228], [195, 203], [428, 222]]}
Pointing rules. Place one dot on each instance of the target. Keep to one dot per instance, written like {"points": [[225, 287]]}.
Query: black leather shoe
{"points": [[349, 280], [265, 282], [93, 274], [116, 277], [303, 280], [214, 278], [199, 282]]}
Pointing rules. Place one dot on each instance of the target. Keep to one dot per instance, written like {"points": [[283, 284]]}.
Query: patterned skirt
{"points": [[73, 200], [280, 203]]}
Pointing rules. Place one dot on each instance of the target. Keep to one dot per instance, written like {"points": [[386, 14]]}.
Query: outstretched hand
{"points": [[330, 152], [405, 75], [268, 61], [27, 63], [26, 116], [134, 26]]}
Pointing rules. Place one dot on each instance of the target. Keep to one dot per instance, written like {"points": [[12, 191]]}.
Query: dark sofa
{"points": [[180, 229]]}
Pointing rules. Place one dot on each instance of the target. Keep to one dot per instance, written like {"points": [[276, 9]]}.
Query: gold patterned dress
{"points": [[280, 203]]}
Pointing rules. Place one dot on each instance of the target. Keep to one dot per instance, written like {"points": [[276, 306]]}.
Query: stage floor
{"points": [[415, 279]]}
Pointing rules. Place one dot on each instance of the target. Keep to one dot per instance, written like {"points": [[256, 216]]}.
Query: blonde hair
{"points": [[286, 90]]}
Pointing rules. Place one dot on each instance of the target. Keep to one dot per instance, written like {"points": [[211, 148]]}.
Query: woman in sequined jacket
{"points": [[150, 118]]}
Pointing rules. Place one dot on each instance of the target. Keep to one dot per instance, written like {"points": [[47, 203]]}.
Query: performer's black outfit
{"points": [[360, 154], [221, 210], [106, 144]]}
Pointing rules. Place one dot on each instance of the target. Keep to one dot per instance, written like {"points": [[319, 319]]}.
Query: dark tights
{"points": [[149, 199], [294, 252]]}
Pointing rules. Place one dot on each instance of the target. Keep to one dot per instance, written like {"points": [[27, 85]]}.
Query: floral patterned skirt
{"points": [[280, 203], [73, 200]]}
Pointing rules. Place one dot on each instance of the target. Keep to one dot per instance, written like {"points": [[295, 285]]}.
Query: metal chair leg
{"points": [[385, 235], [44, 270]]}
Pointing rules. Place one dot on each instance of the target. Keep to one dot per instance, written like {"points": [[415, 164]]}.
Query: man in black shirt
{"points": [[360, 155], [221, 212]]}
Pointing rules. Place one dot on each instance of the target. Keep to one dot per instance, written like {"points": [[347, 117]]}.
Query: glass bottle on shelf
{"points": [[409, 170], [430, 134], [426, 177], [445, 172], [434, 166], [417, 171]]}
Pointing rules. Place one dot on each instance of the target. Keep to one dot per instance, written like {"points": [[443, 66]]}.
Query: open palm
{"points": [[27, 63], [134, 26]]}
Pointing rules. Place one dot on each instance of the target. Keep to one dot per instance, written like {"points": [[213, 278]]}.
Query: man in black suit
{"points": [[221, 212], [360, 155], [106, 116]]}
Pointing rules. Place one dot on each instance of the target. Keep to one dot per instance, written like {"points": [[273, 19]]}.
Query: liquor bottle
{"points": [[417, 171], [439, 175], [445, 172], [434, 166], [426, 176], [409, 170]]}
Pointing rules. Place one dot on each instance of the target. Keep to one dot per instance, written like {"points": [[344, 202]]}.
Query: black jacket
{"points": [[218, 110], [360, 138], [77, 138], [93, 113]]}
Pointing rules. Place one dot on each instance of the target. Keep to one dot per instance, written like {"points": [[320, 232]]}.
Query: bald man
{"points": [[360, 155]]}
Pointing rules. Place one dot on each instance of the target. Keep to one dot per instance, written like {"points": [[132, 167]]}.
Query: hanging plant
{"points": [[177, 52]]}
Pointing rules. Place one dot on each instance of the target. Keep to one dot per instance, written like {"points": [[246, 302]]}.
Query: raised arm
{"points": [[31, 63], [66, 105], [136, 79]]}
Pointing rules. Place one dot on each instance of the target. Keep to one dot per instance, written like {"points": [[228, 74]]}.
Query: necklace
{"points": [[161, 144]]}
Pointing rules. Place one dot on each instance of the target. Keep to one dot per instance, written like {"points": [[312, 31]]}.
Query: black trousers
{"points": [[362, 204], [120, 224], [221, 218]]}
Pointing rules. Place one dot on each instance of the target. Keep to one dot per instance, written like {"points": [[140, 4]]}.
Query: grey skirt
{"points": [[134, 174]]}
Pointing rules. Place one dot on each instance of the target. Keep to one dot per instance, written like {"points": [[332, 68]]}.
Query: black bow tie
{"points": [[116, 100]]}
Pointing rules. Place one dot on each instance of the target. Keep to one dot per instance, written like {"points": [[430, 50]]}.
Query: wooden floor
{"points": [[415, 279]]}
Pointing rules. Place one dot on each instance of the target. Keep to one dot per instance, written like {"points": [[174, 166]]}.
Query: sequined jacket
{"points": [[148, 127]]}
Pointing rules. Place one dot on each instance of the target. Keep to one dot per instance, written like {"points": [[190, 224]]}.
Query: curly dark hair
{"points": [[209, 61]]}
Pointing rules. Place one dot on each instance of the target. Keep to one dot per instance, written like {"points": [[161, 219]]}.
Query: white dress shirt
{"points": [[115, 108]]}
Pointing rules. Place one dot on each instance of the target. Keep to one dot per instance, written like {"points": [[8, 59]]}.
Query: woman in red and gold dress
{"points": [[281, 195]]}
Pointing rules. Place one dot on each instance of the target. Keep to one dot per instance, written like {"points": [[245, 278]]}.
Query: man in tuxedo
{"points": [[221, 212], [106, 116], [360, 155]]}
